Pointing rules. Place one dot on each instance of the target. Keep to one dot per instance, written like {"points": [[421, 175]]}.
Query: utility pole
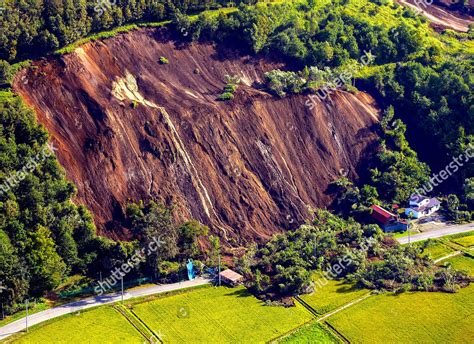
{"points": [[122, 287], [26, 315], [100, 276], [219, 270]]}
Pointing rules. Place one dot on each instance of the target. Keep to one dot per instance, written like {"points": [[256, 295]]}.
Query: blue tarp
{"points": [[190, 266]]}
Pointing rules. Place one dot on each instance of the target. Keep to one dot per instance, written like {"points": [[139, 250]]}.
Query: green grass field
{"points": [[100, 325], [218, 315], [438, 250], [311, 333], [415, 317], [462, 262], [332, 295], [419, 317], [467, 241]]}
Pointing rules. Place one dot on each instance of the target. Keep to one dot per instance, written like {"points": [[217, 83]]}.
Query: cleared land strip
{"points": [[347, 305], [448, 256]]}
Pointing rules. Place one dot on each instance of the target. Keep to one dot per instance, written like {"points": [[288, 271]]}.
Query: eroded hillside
{"points": [[129, 128]]}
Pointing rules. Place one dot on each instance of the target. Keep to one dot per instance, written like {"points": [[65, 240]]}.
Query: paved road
{"points": [[437, 233], [94, 301]]}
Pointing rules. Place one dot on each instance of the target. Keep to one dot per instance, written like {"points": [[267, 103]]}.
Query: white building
{"points": [[421, 206]]}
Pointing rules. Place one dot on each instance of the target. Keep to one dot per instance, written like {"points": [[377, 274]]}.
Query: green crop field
{"points": [[437, 250], [100, 325], [462, 262], [467, 241], [418, 317], [218, 315], [331, 295], [311, 333]]}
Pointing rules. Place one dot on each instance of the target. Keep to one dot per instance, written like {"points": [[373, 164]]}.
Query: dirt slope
{"points": [[439, 17], [128, 128]]}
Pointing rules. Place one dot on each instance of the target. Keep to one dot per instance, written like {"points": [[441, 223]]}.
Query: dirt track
{"points": [[439, 17]]}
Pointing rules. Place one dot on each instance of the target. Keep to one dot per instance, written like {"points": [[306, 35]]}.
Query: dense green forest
{"points": [[426, 77], [37, 27]]}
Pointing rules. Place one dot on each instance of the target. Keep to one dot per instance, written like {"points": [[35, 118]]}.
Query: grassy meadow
{"points": [[218, 315], [311, 333], [331, 295]]}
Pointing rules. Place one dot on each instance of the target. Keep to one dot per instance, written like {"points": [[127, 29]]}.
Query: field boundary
{"points": [[336, 332], [308, 307], [280, 337], [144, 330], [148, 298]]}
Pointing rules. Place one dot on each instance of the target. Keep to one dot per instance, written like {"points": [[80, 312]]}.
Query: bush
{"points": [[226, 96], [163, 60], [280, 82]]}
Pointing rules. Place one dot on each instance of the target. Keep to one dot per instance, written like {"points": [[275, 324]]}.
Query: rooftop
{"points": [[231, 275]]}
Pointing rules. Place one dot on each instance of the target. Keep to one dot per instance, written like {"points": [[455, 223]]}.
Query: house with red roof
{"points": [[388, 221]]}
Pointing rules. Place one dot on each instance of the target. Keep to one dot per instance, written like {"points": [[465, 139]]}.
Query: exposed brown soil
{"points": [[248, 167], [440, 18]]}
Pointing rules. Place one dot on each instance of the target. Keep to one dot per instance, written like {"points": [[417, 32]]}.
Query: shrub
{"points": [[226, 96], [163, 60]]}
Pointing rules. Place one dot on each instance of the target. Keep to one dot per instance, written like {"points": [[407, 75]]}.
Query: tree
{"points": [[189, 232], [153, 225], [6, 73], [215, 250], [44, 263]]}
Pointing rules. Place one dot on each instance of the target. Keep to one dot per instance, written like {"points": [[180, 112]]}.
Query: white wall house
{"points": [[421, 206]]}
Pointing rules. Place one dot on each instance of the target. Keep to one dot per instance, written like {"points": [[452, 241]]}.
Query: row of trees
{"points": [[37, 26]]}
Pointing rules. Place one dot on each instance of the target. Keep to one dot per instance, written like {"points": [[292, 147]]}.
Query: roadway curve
{"points": [[34, 319], [437, 233], [438, 16]]}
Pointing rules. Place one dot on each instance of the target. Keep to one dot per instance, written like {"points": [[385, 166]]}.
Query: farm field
{"points": [[466, 241], [437, 250], [218, 315], [332, 295], [100, 325], [419, 317], [311, 333], [462, 262]]}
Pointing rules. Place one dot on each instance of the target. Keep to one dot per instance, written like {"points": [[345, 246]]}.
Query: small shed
{"points": [[231, 277]]}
